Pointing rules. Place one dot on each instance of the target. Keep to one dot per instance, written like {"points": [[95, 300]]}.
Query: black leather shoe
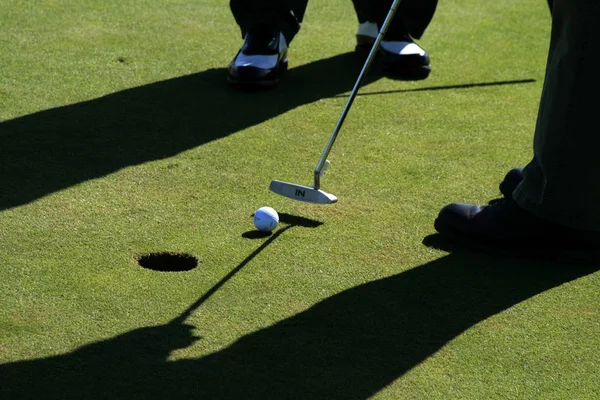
{"points": [[507, 229], [401, 58], [261, 61], [510, 182]]}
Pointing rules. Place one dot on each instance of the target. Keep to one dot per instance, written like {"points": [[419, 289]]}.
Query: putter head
{"points": [[301, 193]]}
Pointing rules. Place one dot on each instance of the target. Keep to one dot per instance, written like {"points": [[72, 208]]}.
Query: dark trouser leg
{"points": [[412, 16], [562, 182], [284, 15]]}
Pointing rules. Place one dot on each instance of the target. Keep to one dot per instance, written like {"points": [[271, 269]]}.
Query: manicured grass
{"points": [[120, 137]]}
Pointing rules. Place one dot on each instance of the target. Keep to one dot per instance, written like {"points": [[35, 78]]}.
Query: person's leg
{"points": [[562, 182], [267, 27], [282, 15], [401, 56], [555, 210], [412, 17]]}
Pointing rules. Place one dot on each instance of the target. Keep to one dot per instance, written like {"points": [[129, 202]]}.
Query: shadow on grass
{"points": [[184, 315], [288, 219], [284, 218], [449, 87], [54, 149], [57, 148], [348, 346]]}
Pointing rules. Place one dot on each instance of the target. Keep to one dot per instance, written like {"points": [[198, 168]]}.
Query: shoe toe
{"points": [[261, 61], [251, 77], [459, 211], [456, 217], [409, 65], [251, 73]]}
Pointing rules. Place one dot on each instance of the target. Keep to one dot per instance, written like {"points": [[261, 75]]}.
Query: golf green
{"points": [[121, 139]]}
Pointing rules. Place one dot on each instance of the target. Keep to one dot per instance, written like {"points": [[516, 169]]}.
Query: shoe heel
{"points": [[364, 44]]}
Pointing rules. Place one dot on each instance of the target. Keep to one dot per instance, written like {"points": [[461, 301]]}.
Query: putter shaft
{"points": [[353, 93]]}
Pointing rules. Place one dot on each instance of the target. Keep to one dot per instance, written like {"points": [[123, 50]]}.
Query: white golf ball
{"points": [[266, 219]]}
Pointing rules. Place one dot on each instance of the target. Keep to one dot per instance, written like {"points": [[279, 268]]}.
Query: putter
{"points": [[314, 194]]}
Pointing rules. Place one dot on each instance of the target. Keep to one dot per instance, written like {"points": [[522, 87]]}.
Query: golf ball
{"points": [[266, 219]]}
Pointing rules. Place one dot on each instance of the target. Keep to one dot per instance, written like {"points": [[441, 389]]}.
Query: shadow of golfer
{"points": [[348, 346], [54, 149]]}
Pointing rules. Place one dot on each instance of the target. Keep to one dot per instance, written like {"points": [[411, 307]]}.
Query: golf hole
{"points": [[167, 262]]}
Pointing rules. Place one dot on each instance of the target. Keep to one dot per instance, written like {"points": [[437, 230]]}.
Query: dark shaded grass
{"points": [[58, 148], [55, 149], [348, 346]]}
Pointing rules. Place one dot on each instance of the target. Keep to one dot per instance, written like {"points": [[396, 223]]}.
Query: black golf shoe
{"points": [[401, 58], [261, 61], [511, 181], [507, 229]]}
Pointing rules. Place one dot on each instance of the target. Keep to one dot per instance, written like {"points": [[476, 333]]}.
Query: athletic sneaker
{"points": [[402, 58], [261, 61]]}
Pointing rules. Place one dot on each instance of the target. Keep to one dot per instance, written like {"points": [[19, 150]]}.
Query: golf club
{"points": [[315, 194]]}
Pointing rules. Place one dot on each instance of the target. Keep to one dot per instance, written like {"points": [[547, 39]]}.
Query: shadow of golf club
{"points": [[448, 87], [290, 220], [348, 346]]}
